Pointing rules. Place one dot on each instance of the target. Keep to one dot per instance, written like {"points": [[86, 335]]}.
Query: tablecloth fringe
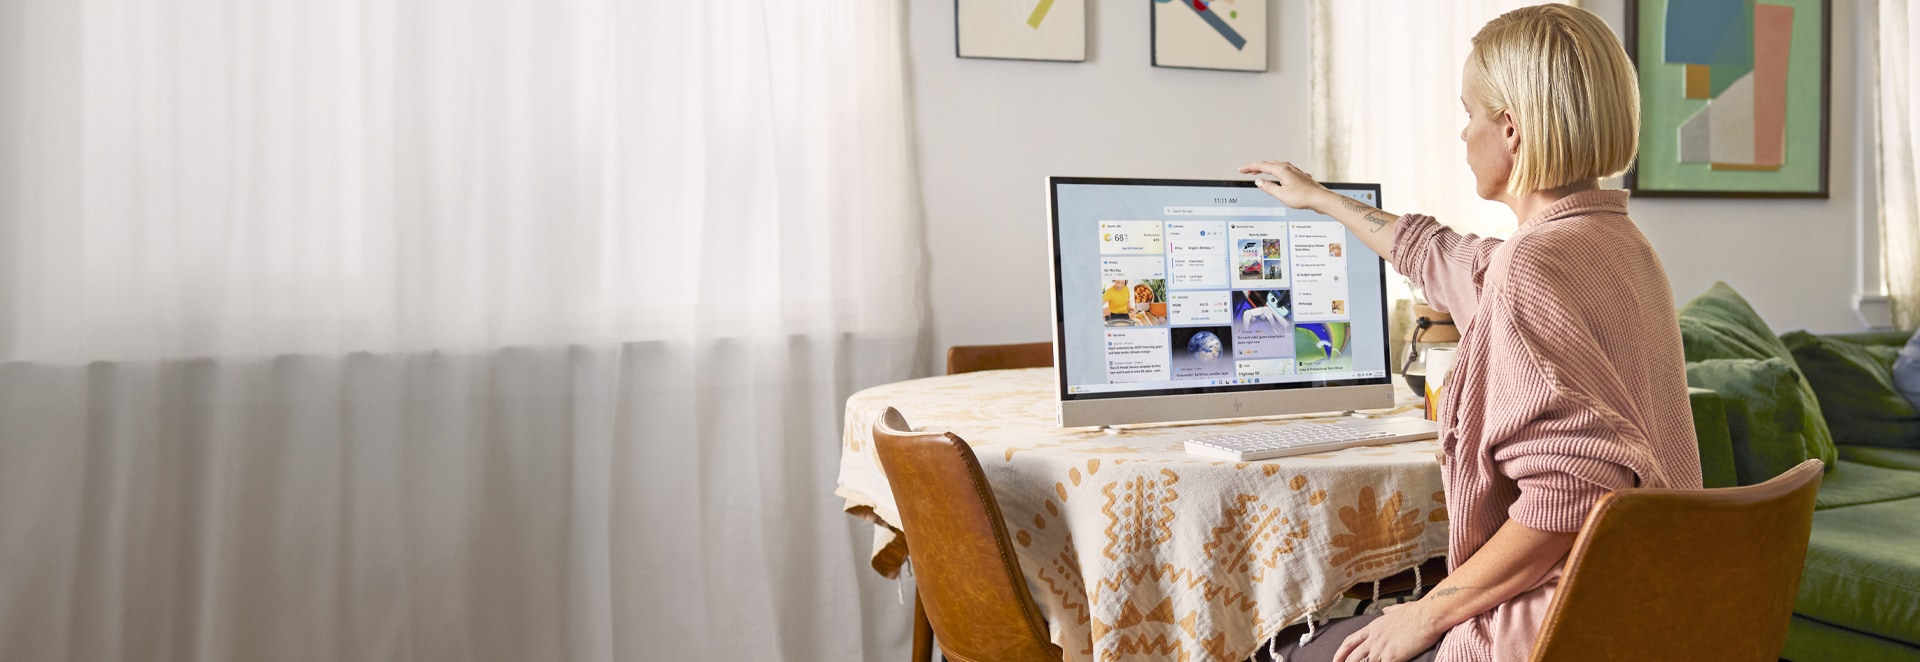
{"points": [[1313, 615]]}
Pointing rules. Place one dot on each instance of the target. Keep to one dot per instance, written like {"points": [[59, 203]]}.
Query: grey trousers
{"points": [[1326, 640]]}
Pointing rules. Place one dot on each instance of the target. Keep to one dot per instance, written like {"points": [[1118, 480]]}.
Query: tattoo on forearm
{"points": [[1378, 218], [1451, 590]]}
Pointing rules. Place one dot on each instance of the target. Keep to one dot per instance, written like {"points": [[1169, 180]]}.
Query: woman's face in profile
{"points": [[1489, 145]]}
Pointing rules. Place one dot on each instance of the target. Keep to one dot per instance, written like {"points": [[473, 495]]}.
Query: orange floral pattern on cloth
{"points": [[1135, 550], [1377, 534]]}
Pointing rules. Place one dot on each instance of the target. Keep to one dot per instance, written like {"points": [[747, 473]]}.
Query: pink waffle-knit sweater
{"points": [[1568, 383]]}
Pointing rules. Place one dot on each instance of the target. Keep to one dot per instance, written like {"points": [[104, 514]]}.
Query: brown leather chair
{"points": [[974, 358], [971, 588], [970, 358], [1660, 574]]}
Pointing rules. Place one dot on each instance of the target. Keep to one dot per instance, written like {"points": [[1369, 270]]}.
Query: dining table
{"points": [[1134, 548]]}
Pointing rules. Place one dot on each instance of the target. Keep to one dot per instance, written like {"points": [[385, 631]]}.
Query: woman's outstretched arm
{"points": [[1298, 190], [1445, 265]]}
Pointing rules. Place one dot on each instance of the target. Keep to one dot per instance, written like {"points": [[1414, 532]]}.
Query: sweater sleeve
{"points": [[1561, 474], [1446, 266]]}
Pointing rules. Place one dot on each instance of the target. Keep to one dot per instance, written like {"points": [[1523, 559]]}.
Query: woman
{"points": [[1569, 381]]}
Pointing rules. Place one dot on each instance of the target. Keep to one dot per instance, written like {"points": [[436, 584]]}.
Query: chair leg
{"points": [[922, 631]]}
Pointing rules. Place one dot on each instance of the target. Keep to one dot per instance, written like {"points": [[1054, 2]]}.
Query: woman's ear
{"points": [[1510, 132]]}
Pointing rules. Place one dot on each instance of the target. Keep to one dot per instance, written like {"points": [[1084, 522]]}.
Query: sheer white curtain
{"points": [[1386, 105], [445, 329], [1899, 141]]}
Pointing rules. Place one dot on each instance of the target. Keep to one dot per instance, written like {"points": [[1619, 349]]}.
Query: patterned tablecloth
{"points": [[1135, 549]]}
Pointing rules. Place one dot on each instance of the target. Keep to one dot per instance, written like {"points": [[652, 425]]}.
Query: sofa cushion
{"points": [[1716, 443], [1892, 458], [1892, 339], [1857, 396], [1853, 484], [1863, 569], [1765, 421], [1720, 325], [1729, 328]]}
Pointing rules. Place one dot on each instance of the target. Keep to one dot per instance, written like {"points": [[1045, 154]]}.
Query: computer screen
{"points": [[1174, 287]]}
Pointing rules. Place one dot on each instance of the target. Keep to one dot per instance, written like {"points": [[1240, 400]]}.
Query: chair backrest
{"points": [[970, 358], [963, 560], [1661, 574]]}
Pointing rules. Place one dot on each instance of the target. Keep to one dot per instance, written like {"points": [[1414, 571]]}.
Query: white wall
{"points": [[990, 131]]}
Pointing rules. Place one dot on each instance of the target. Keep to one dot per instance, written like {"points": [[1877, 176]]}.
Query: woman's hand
{"points": [[1290, 185], [1298, 190], [1400, 633]]}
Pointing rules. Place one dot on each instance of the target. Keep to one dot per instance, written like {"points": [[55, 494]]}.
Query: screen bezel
{"points": [[1059, 313]]}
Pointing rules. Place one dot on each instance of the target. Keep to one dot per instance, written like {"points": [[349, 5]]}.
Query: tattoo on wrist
{"points": [[1378, 219]]}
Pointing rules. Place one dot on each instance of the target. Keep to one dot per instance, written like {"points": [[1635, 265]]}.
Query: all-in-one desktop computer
{"points": [[1181, 300]]}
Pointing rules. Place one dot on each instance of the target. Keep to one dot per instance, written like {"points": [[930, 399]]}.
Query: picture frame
{"points": [[1226, 35], [1725, 103], [1040, 30]]}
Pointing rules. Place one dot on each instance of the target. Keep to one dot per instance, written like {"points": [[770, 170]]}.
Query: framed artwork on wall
{"points": [[1021, 29], [1733, 97], [1210, 34]]}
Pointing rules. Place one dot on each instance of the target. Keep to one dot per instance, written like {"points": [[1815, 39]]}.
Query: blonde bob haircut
{"points": [[1571, 89]]}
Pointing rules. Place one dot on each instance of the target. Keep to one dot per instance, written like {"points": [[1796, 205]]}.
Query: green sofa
{"points": [[1763, 403]]}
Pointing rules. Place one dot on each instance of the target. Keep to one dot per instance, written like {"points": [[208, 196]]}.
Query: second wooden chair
{"points": [[971, 588]]}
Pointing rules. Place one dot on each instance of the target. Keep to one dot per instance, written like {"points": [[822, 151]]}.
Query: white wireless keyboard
{"points": [[1304, 438]]}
